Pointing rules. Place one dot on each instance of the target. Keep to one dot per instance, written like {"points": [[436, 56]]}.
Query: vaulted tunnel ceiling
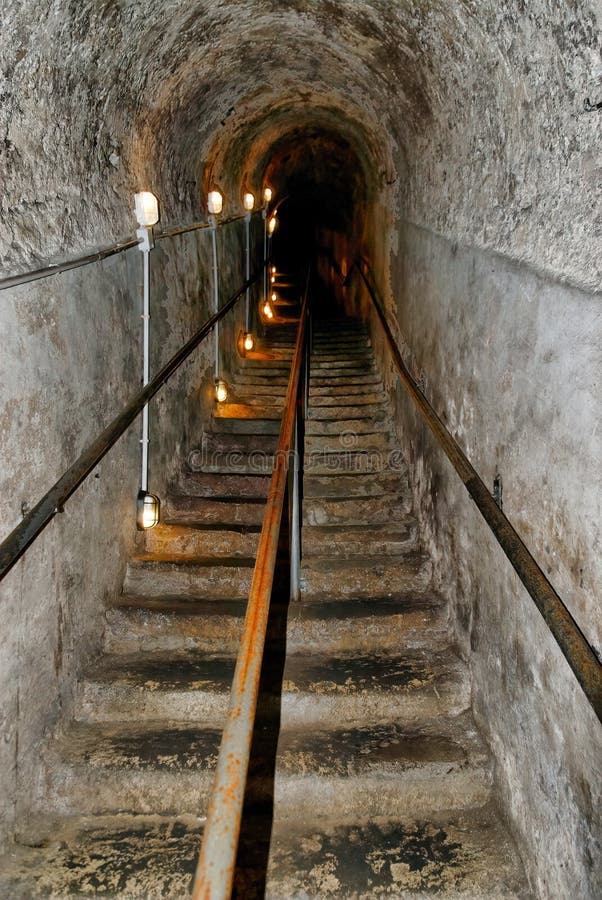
{"points": [[466, 115]]}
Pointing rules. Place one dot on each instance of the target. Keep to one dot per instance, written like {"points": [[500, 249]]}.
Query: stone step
{"points": [[209, 578], [368, 381], [252, 425], [240, 410], [341, 344], [462, 854], [346, 541], [227, 448], [375, 412], [252, 379], [456, 854], [355, 485], [262, 371], [263, 389], [320, 461], [223, 485], [364, 374], [363, 578], [319, 402], [138, 624], [187, 543], [333, 392], [167, 769], [382, 509], [318, 690], [319, 365], [367, 425], [349, 441], [203, 511]]}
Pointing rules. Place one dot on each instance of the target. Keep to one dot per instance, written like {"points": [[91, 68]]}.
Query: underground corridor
{"points": [[301, 464]]}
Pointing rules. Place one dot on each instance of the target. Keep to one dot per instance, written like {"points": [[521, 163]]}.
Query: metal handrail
{"points": [[17, 542], [215, 870], [104, 253], [565, 630]]}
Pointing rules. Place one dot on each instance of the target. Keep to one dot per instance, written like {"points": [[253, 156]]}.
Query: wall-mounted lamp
{"points": [[248, 202], [248, 342], [215, 203], [267, 194], [267, 310], [147, 510], [221, 390], [272, 225], [273, 270], [274, 296], [146, 208]]}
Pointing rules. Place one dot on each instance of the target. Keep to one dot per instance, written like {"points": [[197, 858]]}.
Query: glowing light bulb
{"points": [[147, 510], [267, 194], [273, 270], [248, 202], [273, 279], [215, 203], [267, 310], [221, 391], [272, 225], [274, 297], [146, 207], [249, 341]]}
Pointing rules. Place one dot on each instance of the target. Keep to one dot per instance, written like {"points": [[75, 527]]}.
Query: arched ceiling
{"points": [[467, 114]]}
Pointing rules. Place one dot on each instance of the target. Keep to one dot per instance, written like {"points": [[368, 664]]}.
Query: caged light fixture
{"points": [[221, 390], [146, 208]]}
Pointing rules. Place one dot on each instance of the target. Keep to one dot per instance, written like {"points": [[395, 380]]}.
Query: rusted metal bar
{"points": [[103, 253], [32, 525], [569, 637], [215, 870]]}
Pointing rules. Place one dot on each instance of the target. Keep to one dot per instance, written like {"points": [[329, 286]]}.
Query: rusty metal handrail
{"points": [[104, 253], [215, 870], [565, 630], [36, 520]]}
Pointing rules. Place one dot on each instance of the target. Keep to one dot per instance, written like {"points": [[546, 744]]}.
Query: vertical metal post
{"points": [[145, 234], [295, 529], [213, 223], [248, 272]]}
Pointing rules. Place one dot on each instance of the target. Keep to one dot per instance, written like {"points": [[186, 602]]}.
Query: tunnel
{"points": [[434, 165]]}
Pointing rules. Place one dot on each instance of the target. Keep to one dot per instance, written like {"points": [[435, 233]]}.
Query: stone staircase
{"points": [[368, 775]]}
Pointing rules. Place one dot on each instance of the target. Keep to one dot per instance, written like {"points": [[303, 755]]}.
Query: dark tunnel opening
{"points": [[321, 199]]}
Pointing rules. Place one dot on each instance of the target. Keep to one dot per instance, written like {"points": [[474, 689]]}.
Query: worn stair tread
{"points": [[317, 688], [187, 542], [464, 855], [136, 624], [213, 577], [356, 484], [167, 767], [221, 485], [116, 856], [355, 510], [229, 511]]}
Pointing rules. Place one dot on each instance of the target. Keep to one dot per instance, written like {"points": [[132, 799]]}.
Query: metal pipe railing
{"points": [[215, 871], [17, 542], [569, 637], [104, 253]]}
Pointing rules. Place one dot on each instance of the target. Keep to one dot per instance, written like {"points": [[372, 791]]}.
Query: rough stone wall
{"points": [[71, 360], [512, 363]]}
